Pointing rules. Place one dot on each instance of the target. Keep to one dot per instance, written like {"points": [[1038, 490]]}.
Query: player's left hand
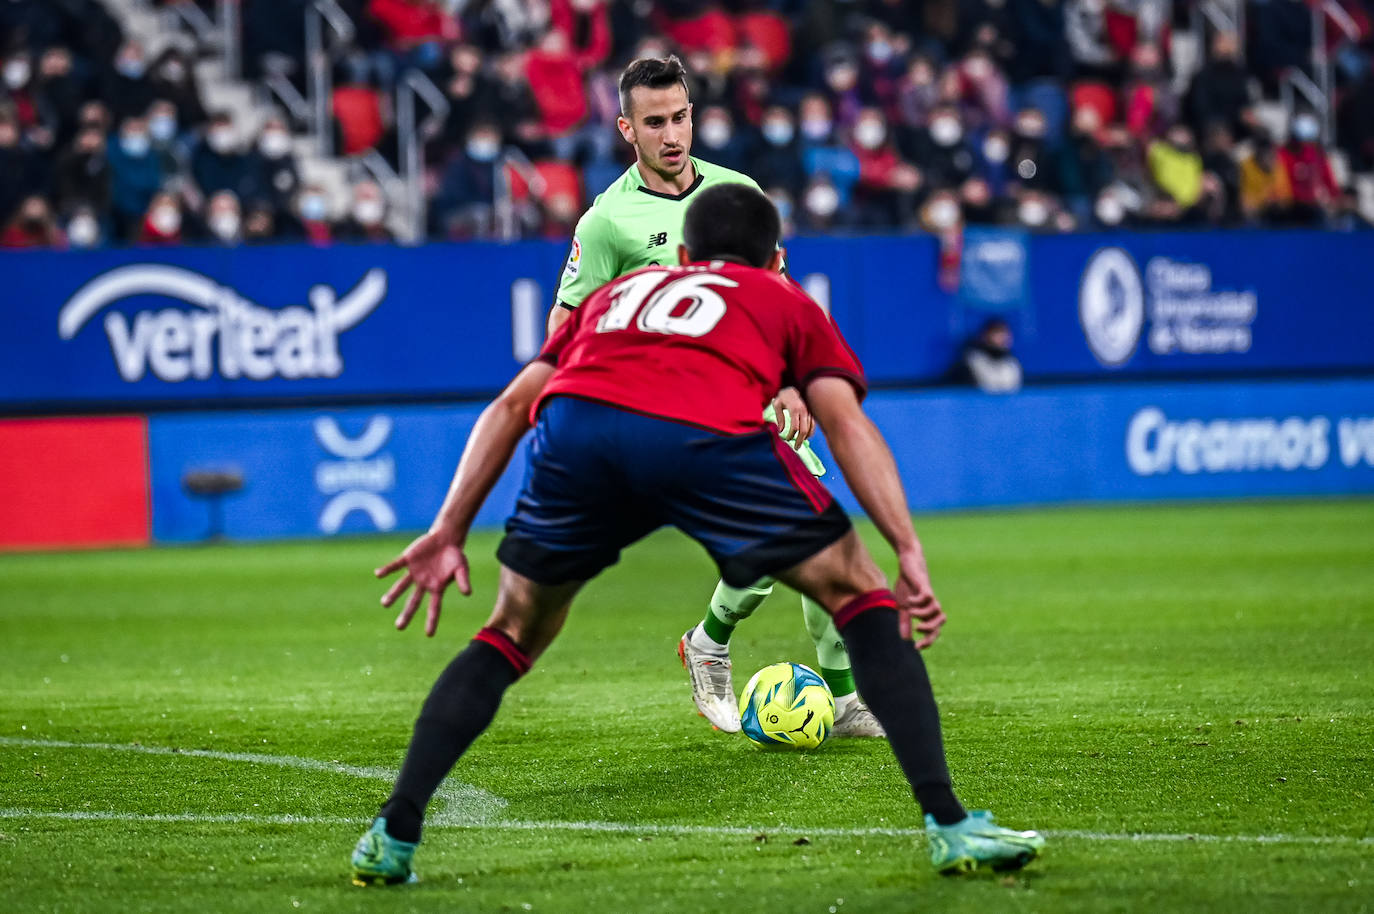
{"points": [[432, 562], [916, 600], [795, 422]]}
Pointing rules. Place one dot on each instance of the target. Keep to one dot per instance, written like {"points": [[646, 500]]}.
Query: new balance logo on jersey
{"points": [[660, 239]]}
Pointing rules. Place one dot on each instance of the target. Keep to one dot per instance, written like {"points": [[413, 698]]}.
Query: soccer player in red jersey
{"points": [[612, 459]]}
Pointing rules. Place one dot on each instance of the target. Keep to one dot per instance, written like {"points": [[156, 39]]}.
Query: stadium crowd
{"points": [[854, 115]]}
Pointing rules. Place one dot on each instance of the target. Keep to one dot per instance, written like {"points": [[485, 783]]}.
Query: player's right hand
{"points": [[916, 600], [431, 563]]}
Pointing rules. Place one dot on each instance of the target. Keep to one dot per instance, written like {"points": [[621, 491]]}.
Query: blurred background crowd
{"points": [[854, 115]]}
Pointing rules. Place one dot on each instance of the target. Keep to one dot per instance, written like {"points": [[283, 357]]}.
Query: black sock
{"points": [[461, 704], [892, 680]]}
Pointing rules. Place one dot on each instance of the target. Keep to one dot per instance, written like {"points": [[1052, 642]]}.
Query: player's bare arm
{"points": [[558, 315], [435, 559], [868, 467]]}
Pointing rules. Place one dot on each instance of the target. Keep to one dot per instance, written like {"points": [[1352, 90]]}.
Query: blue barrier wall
{"points": [[150, 326], [323, 472]]}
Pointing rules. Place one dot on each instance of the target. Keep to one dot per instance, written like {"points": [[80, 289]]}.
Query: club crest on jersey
{"points": [[657, 239], [574, 258]]}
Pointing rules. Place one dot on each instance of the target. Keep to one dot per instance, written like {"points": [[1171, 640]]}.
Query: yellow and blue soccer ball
{"points": [[787, 704]]}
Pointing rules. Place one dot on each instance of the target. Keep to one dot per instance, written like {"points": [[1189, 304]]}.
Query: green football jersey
{"points": [[630, 226]]}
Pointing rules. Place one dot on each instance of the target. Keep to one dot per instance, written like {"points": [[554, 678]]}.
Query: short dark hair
{"points": [[651, 73], [732, 220]]}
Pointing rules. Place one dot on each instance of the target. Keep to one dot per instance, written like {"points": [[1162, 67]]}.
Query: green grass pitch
{"points": [[1200, 676]]}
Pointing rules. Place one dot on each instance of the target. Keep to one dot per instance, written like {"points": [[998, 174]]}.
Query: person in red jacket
{"points": [[32, 226], [555, 78], [1304, 161], [411, 24]]}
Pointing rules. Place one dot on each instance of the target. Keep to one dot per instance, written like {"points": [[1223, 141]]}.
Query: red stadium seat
{"points": [[1096, 95]]}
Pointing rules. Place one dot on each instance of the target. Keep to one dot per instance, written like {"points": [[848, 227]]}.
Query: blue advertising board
{"points": [[151, 327], [311, 472]]}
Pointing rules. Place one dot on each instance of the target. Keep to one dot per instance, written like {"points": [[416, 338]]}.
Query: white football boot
{"points": [[712, 689], [852, 718]]}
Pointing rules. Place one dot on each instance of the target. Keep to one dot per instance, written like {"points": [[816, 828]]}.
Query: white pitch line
{"points": [[472, 807], [629, 828], [463, 804]]}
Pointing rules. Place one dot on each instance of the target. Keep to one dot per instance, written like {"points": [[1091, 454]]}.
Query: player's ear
{"points": [[627, 130], [778, 262], [684, 257]]}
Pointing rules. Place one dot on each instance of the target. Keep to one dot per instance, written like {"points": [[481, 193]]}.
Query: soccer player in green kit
{"points": [[637, 222]]}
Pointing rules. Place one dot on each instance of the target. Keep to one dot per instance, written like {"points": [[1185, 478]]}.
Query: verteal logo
{"points": [[223, 332]]}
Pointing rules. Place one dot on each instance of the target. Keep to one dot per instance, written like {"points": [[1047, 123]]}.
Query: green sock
{"points": [[730, 606], [841, 682], [830, 649]]}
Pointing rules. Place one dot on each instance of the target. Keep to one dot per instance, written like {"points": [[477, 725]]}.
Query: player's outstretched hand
{"points": [[916, 600], [795, 422], [431, 563]]}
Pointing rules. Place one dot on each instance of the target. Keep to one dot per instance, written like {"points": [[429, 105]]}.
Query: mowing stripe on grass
{"points": [[471, 807], [628, 828], [463, 804]]}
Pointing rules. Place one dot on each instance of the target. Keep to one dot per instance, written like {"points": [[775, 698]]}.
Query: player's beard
{"points": [[665, 169]]}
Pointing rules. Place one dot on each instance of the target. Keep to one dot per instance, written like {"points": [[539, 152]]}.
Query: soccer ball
{"points": [[787, 704]]}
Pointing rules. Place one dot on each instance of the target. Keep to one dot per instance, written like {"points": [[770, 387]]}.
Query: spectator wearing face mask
{"points": [[887, 185], [366, 220], [276, 177], [312, 211], [882, 63], [941, 150], [224, 219], [135, 174], [942, 213], [776, 162], [992, 160], [16, 73], [823, 155], [83, 172], [464, 206], [164, 223], [33, 226], [717, 140], [821, 207], [217, 162], [84, 229], [987, 362], [471, 94], [128, 91], [165, 135], [1111, 210], [1036, 210], [1310, 179]]}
